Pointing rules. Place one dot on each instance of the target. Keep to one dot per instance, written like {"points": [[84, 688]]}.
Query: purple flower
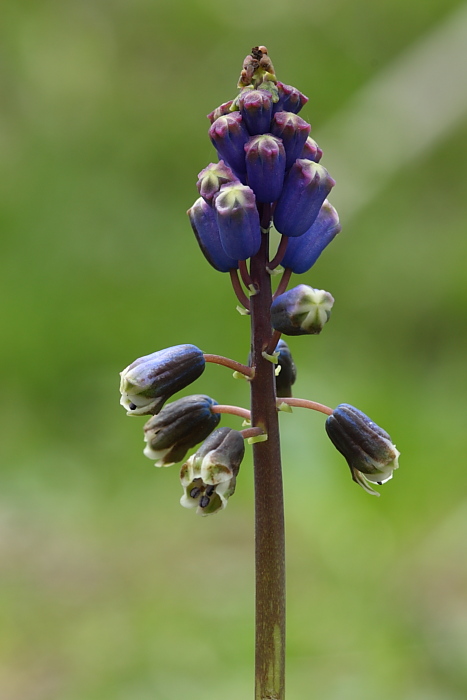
{"points": [[293, 131], [303, 251], [301, 310], [238, 221], [265, 166], [290, 99], [203, 221], [229, 136], [306, 187], [311, 150], [256, 110], [212, 178]]}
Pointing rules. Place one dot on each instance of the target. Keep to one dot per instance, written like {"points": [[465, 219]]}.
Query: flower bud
{"points": [[256, 110], [311, 151], [301, 311], [305, 188], [290, 99], [178, 427], [203, 221], [293, 131], [224, 108], [238, 221], [303, 251], [209, 476], [265, 167], [229, 135], [368, 449], [288, 372], [211, 179], [148, 382]]}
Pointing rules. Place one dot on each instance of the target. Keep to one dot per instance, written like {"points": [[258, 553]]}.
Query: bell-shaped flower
{"points": [[209, 476], [303, 251], [211, 179], [293, 131], [178, 427], [311, 151], [301, 310], [368, 449], [290, 99], [265, 166], [305, 188], [203, 219], [288, 371], [148, 382], [256, 110], [229, 136], [238, 221]]}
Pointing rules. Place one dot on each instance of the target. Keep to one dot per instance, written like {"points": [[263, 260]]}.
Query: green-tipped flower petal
{"points": [[301, 310]]}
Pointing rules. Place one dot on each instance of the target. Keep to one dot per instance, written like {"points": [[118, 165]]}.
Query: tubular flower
{"points": [[311, 151], [203, 221], [148, 382], [368, 449], [306, 187], [293, 131], [178, 427], [265, 166], [229, 135], [301, 310], [290, 99], [303, 251], [256, 110], [211, 179], [209, 476], [238, 221]]}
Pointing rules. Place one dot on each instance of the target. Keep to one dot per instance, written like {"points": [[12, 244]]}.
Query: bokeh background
{"points": [[109, 590]]}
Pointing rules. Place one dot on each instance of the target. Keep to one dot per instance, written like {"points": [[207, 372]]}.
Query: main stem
{"points": [[269, 502]]}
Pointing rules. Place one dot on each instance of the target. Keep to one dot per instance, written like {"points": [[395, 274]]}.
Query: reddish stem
{"points": [[282, 286], [305, 403], [237, 287], [277, 259], [227, 362], [233, 410]]}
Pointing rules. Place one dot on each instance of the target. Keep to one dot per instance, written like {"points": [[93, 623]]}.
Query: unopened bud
{"points": [[238, 221], [288, 372], [301, 310], [290, 99], [229, 135], [203, 219], [211, 179], [303, 251], [256, 110], [265, 166]]}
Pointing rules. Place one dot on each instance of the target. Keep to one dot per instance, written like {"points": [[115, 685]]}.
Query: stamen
{"points": [[194, 493], [132, 406], [204, 502], [210, 490]]}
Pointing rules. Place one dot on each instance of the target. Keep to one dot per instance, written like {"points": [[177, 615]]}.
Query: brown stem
{"points": [[227, 362], [252, 432], [269, 505], [305, 403], [244, 274], [237, 287], [276, 336], [277, 259], [233, 410], [282, 286]]}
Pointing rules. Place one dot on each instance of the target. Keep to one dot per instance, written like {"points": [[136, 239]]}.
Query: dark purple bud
{"points": [[290, 99], [368, 449], [265, 167], [178, 427], [303, 251], [224, 108], [305, 188], [293, 131], [288, 372], [238, 221], [301, 310], [229, 136], [211, 179], [311, 150], [149, 381], [203, 221], [256, 110]]}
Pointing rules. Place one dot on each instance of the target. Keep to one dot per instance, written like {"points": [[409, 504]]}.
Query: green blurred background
{"points": [[109, 590]]}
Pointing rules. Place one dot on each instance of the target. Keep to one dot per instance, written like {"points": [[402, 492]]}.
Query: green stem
{"points": [[269, 505]]}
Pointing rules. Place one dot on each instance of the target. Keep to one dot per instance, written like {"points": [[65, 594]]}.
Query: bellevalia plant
{"points": [[268, 173]]}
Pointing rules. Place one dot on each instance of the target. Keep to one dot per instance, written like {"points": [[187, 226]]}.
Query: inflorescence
{"points": [[268, 173]]}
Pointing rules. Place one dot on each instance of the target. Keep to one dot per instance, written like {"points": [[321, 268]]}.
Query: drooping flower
{"points": [[303, 251], [368, 449], [288, 372], [238, 221], [149, 381], [178, 427], [203, 219], [265, 166], [209, 476], [293, 131]]}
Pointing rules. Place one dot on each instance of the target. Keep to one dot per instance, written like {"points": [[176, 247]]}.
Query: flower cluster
{"points": [[268, 174]]}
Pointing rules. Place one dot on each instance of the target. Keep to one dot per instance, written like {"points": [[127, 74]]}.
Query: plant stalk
{"points": [[269, 502]]}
